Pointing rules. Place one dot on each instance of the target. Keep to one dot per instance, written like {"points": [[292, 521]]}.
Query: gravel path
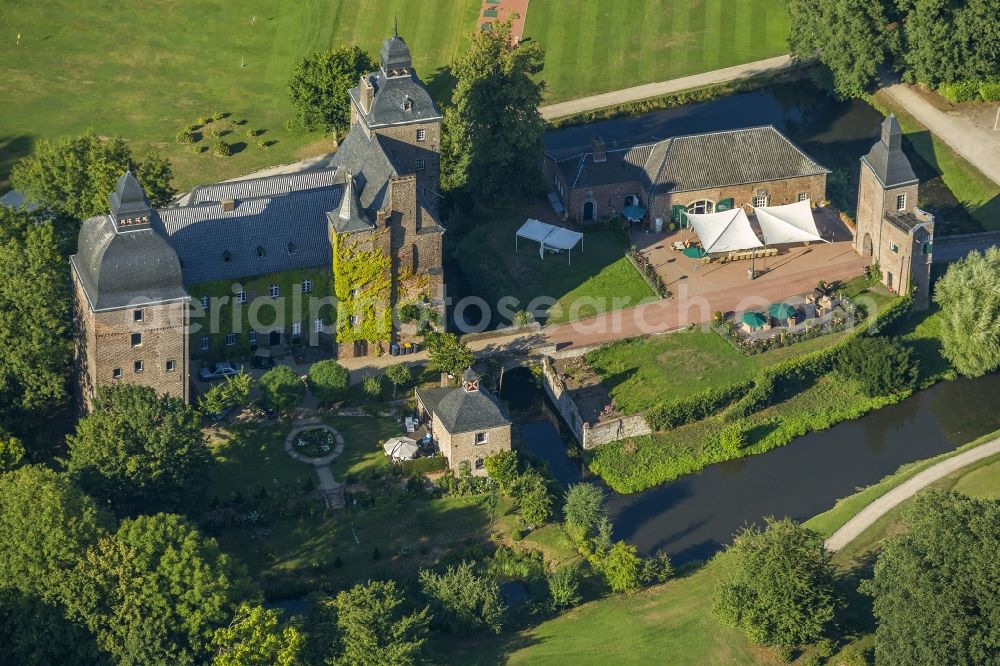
{"points": [[867, 516]]}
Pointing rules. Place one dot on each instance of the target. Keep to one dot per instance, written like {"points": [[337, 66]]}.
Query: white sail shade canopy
{"points": [[791, 223], [727, 231], [548, 236]]}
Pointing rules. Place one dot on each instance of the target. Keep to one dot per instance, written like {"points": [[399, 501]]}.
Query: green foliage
{"points": [[154, 591], [534, 502], [523, 318], [881, 365], [970, 313], [281, 388], [231, 392], [255, 637], [952, 42], [779, 589], [990, 90], [733, 438], [491, 134], [685, 410], [139, 451], [185, 136], [464, 601], [446, 352], [502, 468], [934, 588], [622, 568], [960, 91], [35, 321], [328, 380], [372, 385], [46, 523], [37, 633], [374, 628], [319, 84], [73, 176], [221, 148], [11, 452], [423, 465], [564, 587], [399, 374], [656, 569], [583, 509], [364, 289]]}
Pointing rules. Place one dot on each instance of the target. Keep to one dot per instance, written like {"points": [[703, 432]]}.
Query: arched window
{"points": [[702, 207]]}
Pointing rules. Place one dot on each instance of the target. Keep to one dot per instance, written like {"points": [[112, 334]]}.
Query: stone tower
{"points": [[393, 103], [896, 234], [131, 309]]}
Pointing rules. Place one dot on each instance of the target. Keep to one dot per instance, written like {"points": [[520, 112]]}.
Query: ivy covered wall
{"points": [[363, 282], [269, 313]]}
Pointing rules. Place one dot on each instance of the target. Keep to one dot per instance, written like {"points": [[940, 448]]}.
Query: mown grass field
{"points": [[602, 45], [145, 70]]}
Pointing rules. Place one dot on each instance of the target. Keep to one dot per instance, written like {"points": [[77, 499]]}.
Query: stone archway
{"points": [[588, 210], [867, 249]]}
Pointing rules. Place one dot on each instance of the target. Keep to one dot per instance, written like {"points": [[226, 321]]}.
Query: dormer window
{"points": [[261, 252], [407, 104]]}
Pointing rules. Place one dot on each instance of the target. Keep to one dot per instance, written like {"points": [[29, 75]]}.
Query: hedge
{"points": [[423, 465], [695, 408], [989, 91]]}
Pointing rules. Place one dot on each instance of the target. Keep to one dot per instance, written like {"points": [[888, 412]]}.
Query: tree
{"points": [[502, 468], [848, 36], [319, 85], [534, 502], [970, 313], [255, 637], [446, 352], [155, 591], [328, 380], [881, 365], [140, 452], [583, 509], [35, 325], [779, 585], [46, 523], [946, 41], [463, 601], [73, 176], [233, 391], [564, 587], [935, 587], [622, 568], [11, 452], [281, 388], [375, 630], [399, 374], [34, 632], [491, 142], [372, 385]]}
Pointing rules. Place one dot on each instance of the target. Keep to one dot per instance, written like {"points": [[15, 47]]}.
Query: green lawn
{"points": [[602, 45], [600, 278], [248, 457], [145, 70], [362, 443]]}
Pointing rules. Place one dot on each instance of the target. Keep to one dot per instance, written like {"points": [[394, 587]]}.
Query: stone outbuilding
{"points": [[467, 423]]}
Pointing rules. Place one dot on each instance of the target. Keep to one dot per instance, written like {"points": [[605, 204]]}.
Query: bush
{"points": [[622, 568], [328, 380], [252, 132], [184, 136], [197, 150], [882, 366], [263, 143], [564, 588], [409, 313], [464, 601], [656, 569], [960, 91], [423, 465], [221, 149], [281, 388], [583, 509], [686, 410], [989, 91], [732, 439], [502, 468], [372, 385]]}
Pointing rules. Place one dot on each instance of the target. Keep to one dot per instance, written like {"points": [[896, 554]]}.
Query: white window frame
{"points": [[420, 164], [170, 365], [893, 247], [231, 339], [136, 341], [802, 196], [318, 325], [707, 206], [241, 296], [206, 302], [274, 291], [296, 328], [116, 373], [307, 286], [354, 320], [205, 342], [252, 337], [760, 200], [421, 134], [901, 202], [138, 316], [481, 438], [138, 367]]}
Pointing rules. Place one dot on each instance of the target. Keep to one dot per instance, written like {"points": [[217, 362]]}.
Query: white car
{"points": [[218, 371]]}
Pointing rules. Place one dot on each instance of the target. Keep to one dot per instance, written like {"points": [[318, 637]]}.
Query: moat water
{"points": [[695, 516]]}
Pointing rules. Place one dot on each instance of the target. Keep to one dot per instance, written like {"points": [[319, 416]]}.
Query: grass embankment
{"points": [[600, 278], [976, 193], [146, 70], [602, 45]]}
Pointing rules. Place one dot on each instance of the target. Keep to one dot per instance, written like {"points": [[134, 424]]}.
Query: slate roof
{"points": [[700, 161], [350, 217], [368, 160], [130, 268], [463, 411], [389, 107], [128, 197], [395, 54], [277, 223], [886, 157]]}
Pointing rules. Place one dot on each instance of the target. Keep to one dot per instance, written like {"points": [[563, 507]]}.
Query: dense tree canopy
{"points": [[375, 629], [281, 388], [948, 41], [447, 352], [491, 141], [255, 637], [73, 176], [34, 632], [881, 365], [778, 587], [34, 319], [155, 591], [935, 588], [970, 313], [231, 392], [319, 85], [622, 567], [583, 509], [463, 600], [139, 451], [328, 380]]}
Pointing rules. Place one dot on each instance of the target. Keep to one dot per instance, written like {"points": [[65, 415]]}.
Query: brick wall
{"points": [[614, 430], [402, 144]]}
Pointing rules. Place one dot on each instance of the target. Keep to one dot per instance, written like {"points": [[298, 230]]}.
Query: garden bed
{"points": [[315, 442]]}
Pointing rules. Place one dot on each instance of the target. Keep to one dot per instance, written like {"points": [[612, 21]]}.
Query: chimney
{"points": [[600, 150], [228, 205], [366, 92]]}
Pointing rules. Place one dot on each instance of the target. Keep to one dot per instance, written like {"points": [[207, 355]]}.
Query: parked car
{"points": [[218, 371]]}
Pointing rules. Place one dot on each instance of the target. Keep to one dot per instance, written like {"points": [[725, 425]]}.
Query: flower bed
{"points": [[648, 273], [315, 442]]}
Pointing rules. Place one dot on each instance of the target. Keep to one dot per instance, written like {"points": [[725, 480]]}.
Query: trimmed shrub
{"points": [[989, 91], [221, 149], [184, 136], [960, 91]]}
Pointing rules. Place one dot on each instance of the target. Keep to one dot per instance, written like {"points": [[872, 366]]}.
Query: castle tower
{"points": [[891, 230], [131, 309], [393, 103]]}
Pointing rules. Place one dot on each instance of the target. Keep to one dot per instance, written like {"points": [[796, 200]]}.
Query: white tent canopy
{"points": [[548, 236], [401, 448], [727, 231], [791, 223]]}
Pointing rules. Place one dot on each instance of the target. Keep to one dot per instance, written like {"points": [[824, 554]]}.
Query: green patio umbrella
{"points": [[753, 319], [781, 311], [633, 212], [694, 252]]}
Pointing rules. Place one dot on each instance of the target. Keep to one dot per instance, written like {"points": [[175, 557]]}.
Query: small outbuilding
{"points": [[467, 423]]}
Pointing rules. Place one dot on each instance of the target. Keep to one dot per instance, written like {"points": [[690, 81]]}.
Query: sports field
{"points": [[601, 45]]}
